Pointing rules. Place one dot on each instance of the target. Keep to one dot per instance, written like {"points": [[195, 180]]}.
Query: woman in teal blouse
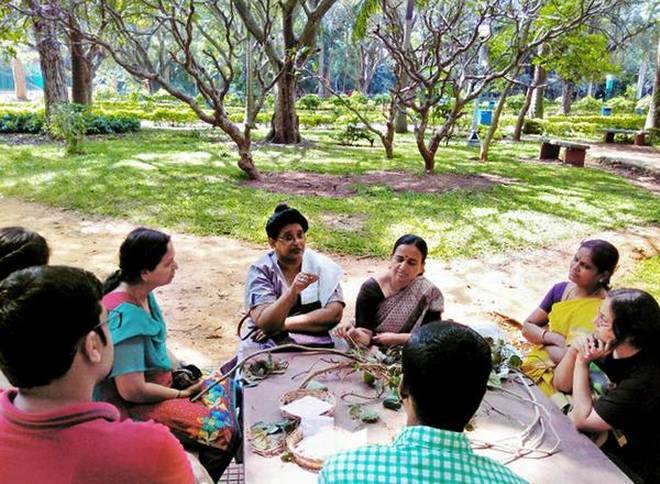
{"points": [[142, 382]]}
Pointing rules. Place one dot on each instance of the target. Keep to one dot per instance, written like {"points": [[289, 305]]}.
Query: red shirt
{"points": [[86, 443]]}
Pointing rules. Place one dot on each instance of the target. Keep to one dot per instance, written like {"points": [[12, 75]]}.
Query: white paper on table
{"points": [[330, 441], [313, 425], [306, 406]]}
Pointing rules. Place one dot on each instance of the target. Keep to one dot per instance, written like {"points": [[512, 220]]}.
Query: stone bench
{"points": [[574, 155], [639, 135]]}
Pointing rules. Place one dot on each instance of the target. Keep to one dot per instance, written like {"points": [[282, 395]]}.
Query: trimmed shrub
{"points": [[533, 126], [644, 103], [310, 120], [22, 122], [309, 101], [67, 122], [621, 105], [381, 99], [353, 133], [587, 105], [515, 102], [111, 124], [95, 123], [357, 97]]}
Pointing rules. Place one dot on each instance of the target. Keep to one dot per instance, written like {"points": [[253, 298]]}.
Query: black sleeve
{"points": [[431, 316], [366, 306], [624, 404]]}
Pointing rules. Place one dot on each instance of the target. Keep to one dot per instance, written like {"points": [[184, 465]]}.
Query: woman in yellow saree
{"points": [[567, 311]]}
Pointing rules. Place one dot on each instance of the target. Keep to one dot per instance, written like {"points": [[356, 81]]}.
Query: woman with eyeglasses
{"points": [[567, 310], [624, 346], [144, 381], [292, 294], [393, 303]]}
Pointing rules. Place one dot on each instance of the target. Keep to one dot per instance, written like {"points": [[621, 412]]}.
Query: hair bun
{"points": [[281, 207]]}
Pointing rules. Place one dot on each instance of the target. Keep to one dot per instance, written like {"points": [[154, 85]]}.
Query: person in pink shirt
{"points": [[54, 347]]}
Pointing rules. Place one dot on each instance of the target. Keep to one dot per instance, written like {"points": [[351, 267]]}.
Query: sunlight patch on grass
{"points": [[138, 165]]}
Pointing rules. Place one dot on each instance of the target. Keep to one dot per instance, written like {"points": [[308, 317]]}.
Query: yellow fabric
{"points": [[571, 319]]}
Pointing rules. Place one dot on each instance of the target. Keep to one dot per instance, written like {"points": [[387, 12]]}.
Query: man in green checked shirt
{"points": [[432, 448]]}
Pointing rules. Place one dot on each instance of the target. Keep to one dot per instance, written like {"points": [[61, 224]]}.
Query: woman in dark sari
{"points": [[393, 303]]}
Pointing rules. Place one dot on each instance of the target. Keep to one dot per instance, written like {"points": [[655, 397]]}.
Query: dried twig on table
{"points": [[357, 395], [289, 346], [530, 444]]}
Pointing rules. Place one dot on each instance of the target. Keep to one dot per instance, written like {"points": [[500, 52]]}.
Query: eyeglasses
{"points": [[602, 320], [97, 330], [291, 238]]}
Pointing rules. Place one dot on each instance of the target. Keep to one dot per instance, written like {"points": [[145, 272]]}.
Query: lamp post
{"points": [[483, 31]]}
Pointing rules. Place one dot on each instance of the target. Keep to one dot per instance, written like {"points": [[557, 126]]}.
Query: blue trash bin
{"points": [[485, 117], [606, 111], [491, 104]]}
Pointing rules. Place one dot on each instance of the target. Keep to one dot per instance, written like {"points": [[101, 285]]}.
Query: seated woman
{"points": [[292, 294], [141, 381], [567, 310], [21, 248], [625, 346], [393, 303]]}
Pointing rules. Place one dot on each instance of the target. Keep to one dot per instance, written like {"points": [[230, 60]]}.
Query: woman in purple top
{"points": [[292, 294], [567, 311]]}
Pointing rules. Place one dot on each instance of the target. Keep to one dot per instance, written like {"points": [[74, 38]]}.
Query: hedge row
{"points": [[33, 122], [581, 126]]}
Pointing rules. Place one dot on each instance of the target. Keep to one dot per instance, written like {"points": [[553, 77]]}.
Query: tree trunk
{"points": [[641, 77], [50, 58], [249, 82], [284, 125], [590, 89], [428, 154], [81, 70], [566, 95], [401, 120], [323, 67], [246, 162], [388, 139], [18, 73], [653, 116], [540, 76], [153, 86], [490, 134], [520, 122]]}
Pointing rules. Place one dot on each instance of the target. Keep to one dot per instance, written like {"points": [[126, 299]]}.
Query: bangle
{"points": [[543, 333]]}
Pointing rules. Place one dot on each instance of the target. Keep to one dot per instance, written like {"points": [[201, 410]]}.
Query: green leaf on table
{"points": [[494, 380], [515, 361], [365, 414], [392, 400], [315, 385]]}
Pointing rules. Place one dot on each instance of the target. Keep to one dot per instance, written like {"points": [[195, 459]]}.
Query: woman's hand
{"points": [[390, 339], [260, 335], [342, 329], [360, 337], [302, 281], [192, 390], [591, 348]]}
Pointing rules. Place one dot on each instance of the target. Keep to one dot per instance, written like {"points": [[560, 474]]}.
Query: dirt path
{"points": [[204, 302]]}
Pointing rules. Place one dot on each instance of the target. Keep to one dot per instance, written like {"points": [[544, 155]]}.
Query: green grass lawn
{"points": [[645, 275], [188, 180]]}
